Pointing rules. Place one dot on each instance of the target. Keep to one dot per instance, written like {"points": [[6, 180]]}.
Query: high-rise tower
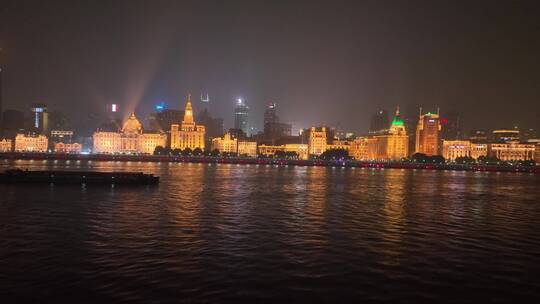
{"points": [[428, 134], [273, 129], [270, 115], [205, 102], [241, 112], [379, 122], [40, 118]]}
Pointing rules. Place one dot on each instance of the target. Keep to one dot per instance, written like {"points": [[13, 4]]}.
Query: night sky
{"points": [[333, 62]]}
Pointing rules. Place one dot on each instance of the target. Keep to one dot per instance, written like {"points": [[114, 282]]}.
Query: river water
{"points": [[247, 233]]}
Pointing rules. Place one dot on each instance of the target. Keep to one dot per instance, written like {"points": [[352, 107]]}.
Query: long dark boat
{"points": [[78, 177]]}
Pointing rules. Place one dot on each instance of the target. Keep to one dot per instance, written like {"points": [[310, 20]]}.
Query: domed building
{"points": [[393, 145], [130, 140], [132, 125]]}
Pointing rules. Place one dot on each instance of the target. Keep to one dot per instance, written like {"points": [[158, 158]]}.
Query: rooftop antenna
{"points": [[420, 111], [438, 110]]}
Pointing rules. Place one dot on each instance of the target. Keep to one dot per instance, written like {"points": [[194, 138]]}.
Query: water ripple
{"points": [[223, 233]]}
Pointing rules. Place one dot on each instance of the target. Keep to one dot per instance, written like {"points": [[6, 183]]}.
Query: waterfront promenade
{"points": [[270, 161]]}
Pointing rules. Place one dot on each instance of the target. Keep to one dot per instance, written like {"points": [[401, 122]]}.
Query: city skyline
{"points": [[341, 81], [269, 151]]}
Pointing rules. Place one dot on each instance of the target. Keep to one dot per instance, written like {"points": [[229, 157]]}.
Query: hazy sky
{"points": [[333, 62]]}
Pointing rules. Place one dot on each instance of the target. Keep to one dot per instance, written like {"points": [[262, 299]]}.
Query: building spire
{"points": [[188, 113], [397, 110]]}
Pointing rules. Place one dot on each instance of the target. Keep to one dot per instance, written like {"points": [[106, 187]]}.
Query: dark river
{"points": [[232, 233]]}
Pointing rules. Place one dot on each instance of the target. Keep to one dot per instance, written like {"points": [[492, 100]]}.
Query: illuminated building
{"points": [[269, 150], [453, 149], [187, 134], [317, 140], [70, 148], [339, 144], [241, 112], [40, 118], [130, 139], [478, 150], [149, 141], [359, 148], [512, 151], [427, 134], [130, 133], [300, 149], [107, 142], [31, 143], [6, 145], [247, 148], [227, 144], [395, 144], [63, 136], [502, 136], [537, 154], [369, 148]]}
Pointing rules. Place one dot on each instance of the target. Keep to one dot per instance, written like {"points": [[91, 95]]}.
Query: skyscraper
{"points": [[205, 102], [428, 134], [273, 129], [270, 115], [379, 122], [241, 112], [451, 126], [213, 125], [40, 119]]}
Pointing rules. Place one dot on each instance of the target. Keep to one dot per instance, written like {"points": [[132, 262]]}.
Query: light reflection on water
{"points": [[228, 233]]}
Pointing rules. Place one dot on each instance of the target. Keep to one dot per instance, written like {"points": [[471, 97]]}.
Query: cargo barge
{"points": [[78, 177]]}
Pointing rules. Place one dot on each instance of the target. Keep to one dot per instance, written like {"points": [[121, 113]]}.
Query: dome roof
{"points": [[132, 125], [397, 121]]}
